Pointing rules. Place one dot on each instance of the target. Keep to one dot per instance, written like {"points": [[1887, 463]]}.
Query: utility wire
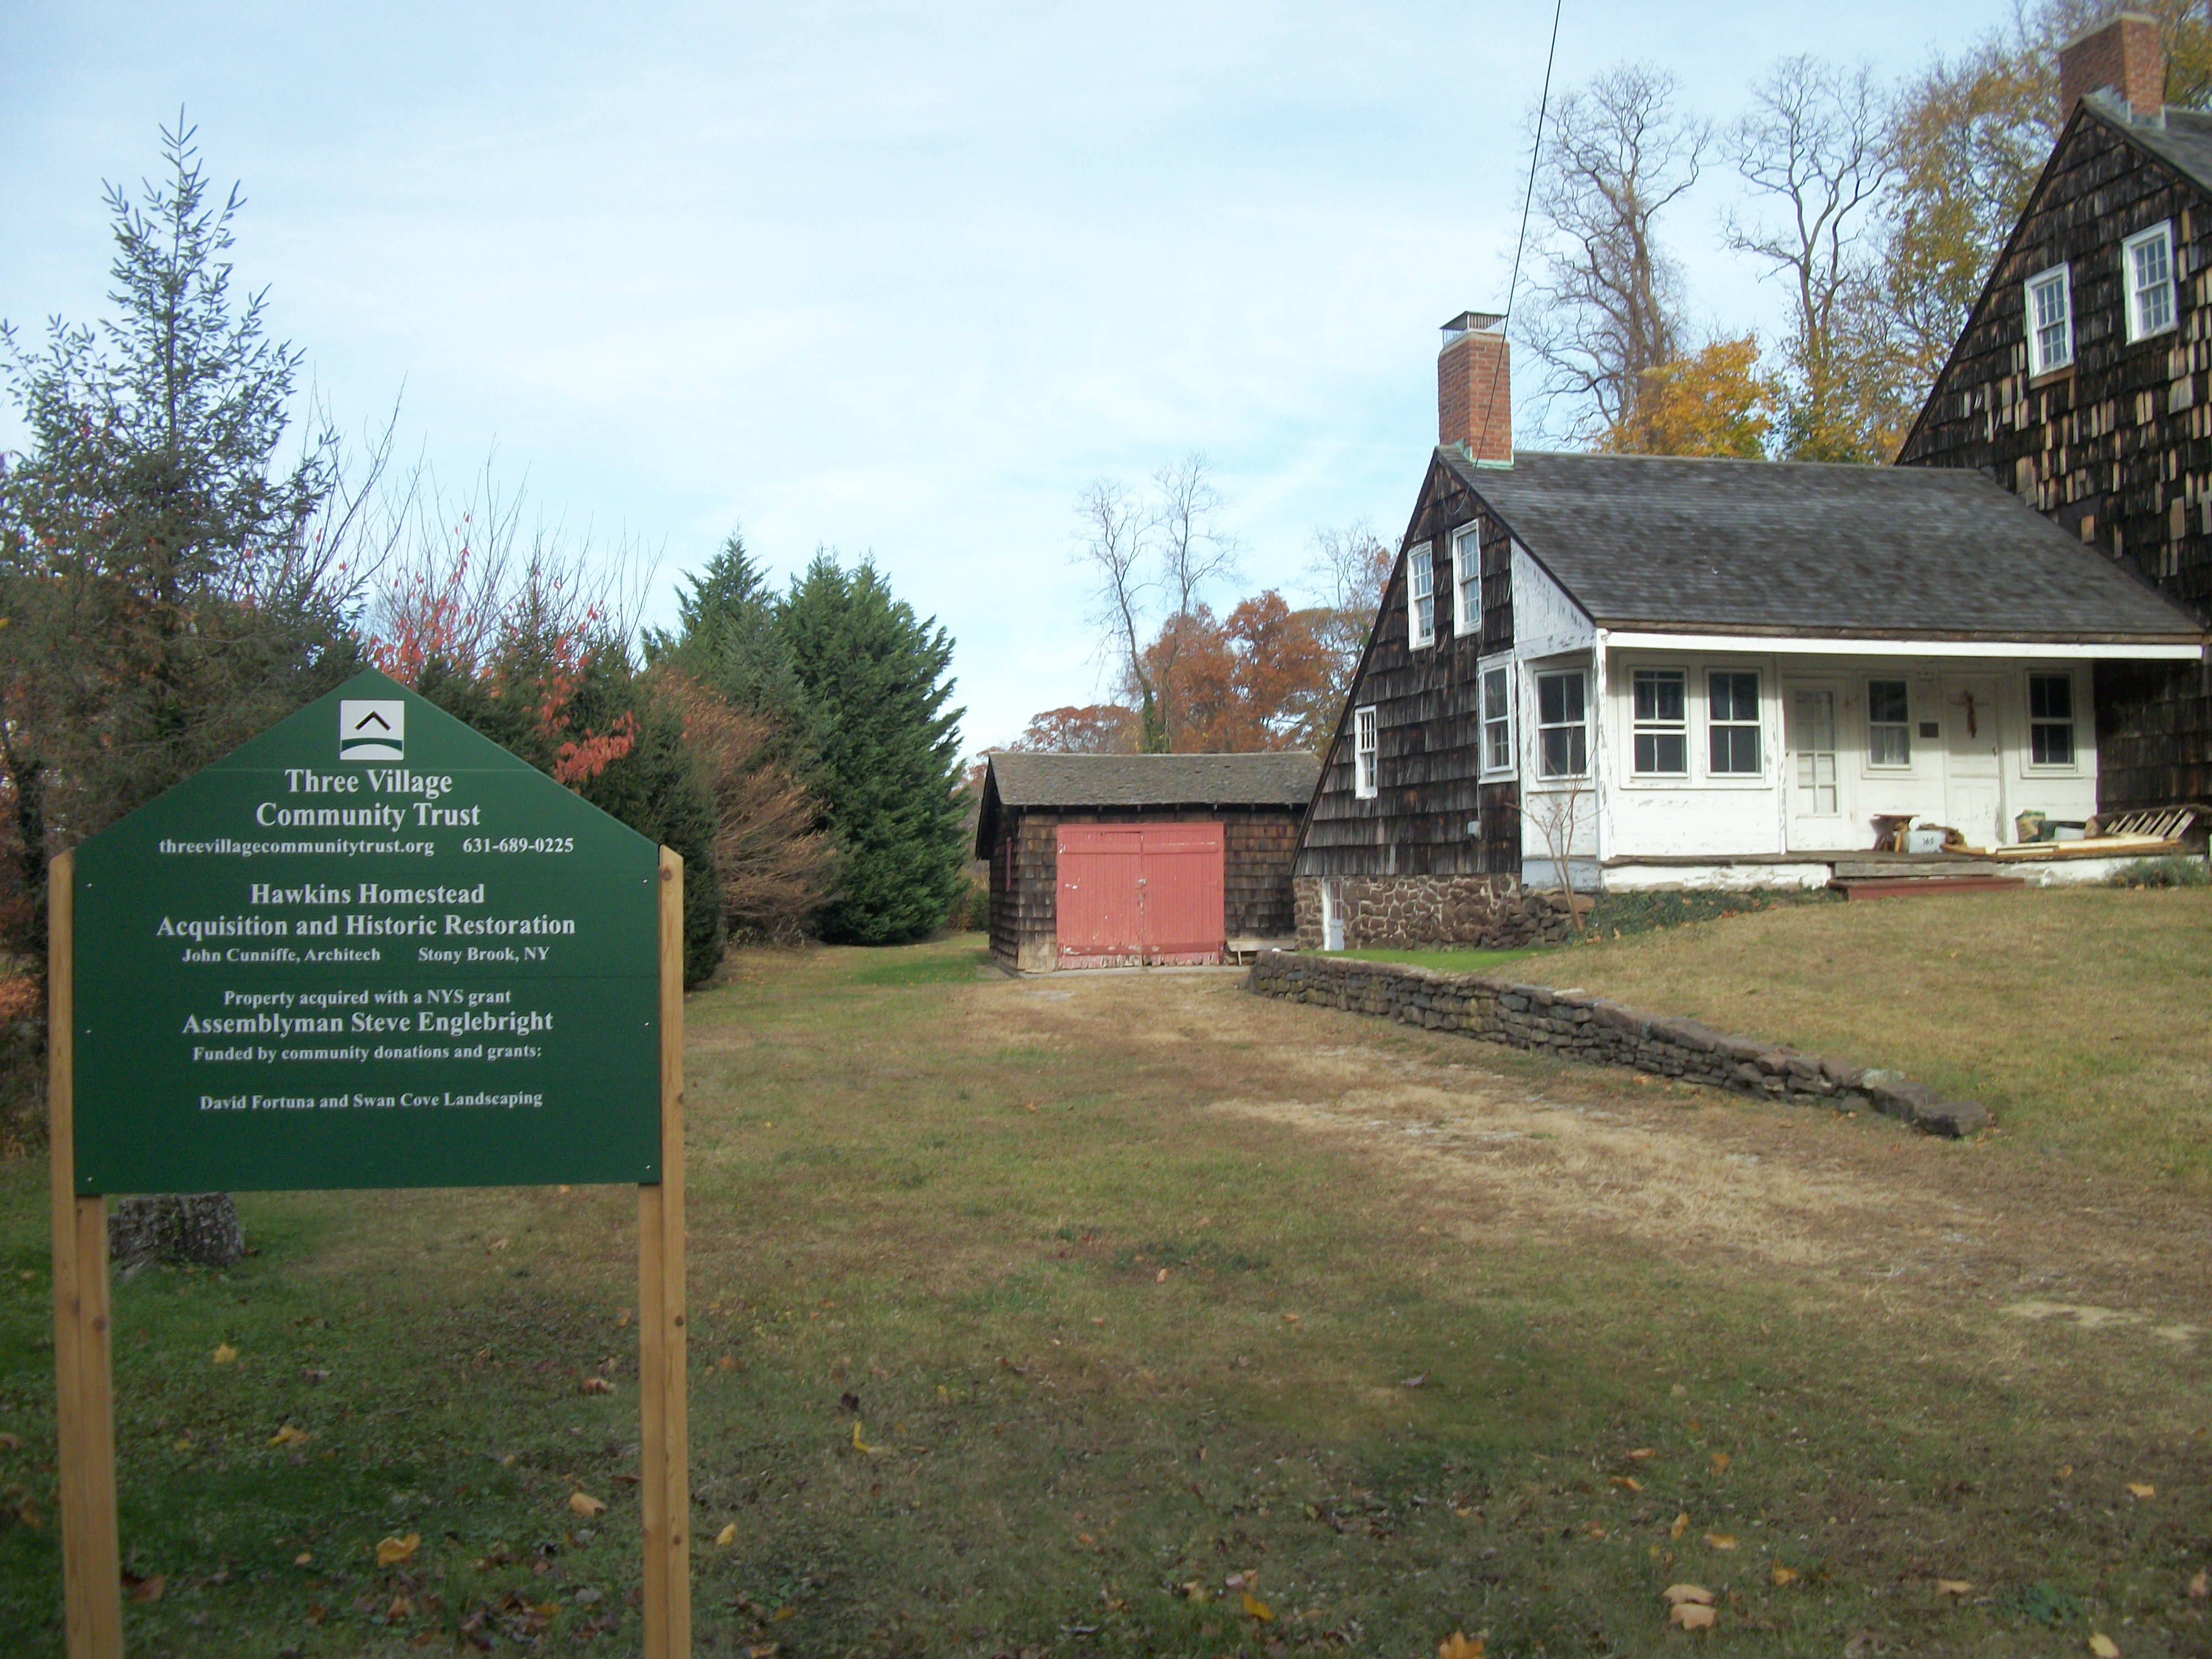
{"points": [[1536, 152]]}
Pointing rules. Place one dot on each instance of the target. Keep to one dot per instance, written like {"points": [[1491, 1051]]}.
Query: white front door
{"points": [[1973, 776], [1814, 774], [1332, 916]]}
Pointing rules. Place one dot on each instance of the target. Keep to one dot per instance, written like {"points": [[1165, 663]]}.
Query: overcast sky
{"points": [[893, 279]]}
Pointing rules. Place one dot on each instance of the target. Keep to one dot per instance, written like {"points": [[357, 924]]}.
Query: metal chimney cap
{"points": [[1472, 322]]}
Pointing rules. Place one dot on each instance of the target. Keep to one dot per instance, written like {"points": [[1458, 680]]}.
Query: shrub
{"points": [[2174, 871]]}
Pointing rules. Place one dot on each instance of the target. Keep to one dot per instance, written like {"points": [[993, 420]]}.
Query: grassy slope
{"points": [[962, 1228], [2080, 1018]]}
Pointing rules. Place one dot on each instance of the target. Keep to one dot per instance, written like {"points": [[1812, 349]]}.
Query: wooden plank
{"points": [[92, 1582], [663, 1441]]}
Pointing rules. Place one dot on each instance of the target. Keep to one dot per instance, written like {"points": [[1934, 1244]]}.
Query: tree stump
{"points": [[201, 1228]]}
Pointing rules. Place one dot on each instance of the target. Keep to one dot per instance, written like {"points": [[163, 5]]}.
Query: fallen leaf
{"points": [[1681, 1525], [860, 1445], [2065, 1470], [498, 1244], [1691, 1615], [1953, 1586], [1721, 1461], [1783, 1574], [1597, 1532], [314, 1616], [148, 1589], [1161, 1276], [727, 1536], [2103, 1645], [2199, 1587], [1029, 1105], [725, 1364], [11, 1442], [1195, 1591], [401, 1607], [786, 1612], [1627, 1483], [1678, 1594], [1416, 1382], [390, 1552], [1643, 1452], [1259, 1609], [1085, 1538], [1720, 1541], [622, 1316], [585, 1504], [2142, 1489], [224, 1354], [303, 1558], [1459, 1645], [597, 1385], [290, 1435], [1291, 1319], [762, 1649]]}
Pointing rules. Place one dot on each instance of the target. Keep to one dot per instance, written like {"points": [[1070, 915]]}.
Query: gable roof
{"points": [[1810, 548], [1279, 779]]}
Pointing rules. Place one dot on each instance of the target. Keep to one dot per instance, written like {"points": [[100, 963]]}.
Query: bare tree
{"points": [[1350, 566], [1615, 156], [1163, 553], [1815, 141]]}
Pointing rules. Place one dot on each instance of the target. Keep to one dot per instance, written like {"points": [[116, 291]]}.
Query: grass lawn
{"points": [[2082, 1019], [1027, 1319], [1449, 961]]}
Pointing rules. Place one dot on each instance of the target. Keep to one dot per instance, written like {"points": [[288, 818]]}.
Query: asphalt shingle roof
{"points": [[1812, 547], [1270, 780], [2184, 142]]}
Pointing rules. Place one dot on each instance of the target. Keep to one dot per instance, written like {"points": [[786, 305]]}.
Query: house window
{"points": [[1364, 781], [1732, 723], [2050, 321], [1467, 582], [2051, 719], [1889, 724], [1421, 594], [1562, 730], [1662, 723], [1496, 720], [2146, 263]]}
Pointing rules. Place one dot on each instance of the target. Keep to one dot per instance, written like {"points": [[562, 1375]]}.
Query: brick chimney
{"points": [[1474, 388], [2123, 58]]}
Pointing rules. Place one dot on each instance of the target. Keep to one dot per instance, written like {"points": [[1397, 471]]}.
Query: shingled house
{"points": [[2083, 382], [1111, 861], [1624, 671]]}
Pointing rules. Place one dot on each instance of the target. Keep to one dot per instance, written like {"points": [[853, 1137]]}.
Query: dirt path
{"points": [[1511, 1145]]}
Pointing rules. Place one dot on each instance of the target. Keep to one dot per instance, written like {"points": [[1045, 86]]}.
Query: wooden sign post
{"points": [[231, 907]]}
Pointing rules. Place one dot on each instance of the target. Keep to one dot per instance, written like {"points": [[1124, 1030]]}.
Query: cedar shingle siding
{"points": [[2117, 446]]}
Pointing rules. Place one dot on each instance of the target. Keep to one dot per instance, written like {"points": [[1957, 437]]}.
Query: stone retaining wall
{"points": [[1582, 1027], [1491, 913]]}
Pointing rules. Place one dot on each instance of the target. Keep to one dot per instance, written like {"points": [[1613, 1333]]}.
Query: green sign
{"points": [[371, 948]]}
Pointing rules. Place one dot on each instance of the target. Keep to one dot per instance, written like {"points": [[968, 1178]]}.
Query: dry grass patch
{"points": [[2079, 1018]]}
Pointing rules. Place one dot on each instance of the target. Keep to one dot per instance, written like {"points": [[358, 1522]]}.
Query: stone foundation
{"points": [[1586, 1027], [1490, 912]]}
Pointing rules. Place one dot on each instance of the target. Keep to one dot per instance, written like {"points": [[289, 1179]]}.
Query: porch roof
{"points": [[1815, 549]]}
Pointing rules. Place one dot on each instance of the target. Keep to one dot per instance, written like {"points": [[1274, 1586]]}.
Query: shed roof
{"points": [[1284, 779], [1812, 547]]}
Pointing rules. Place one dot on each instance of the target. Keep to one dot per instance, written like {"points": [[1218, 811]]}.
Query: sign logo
{"points": [[372, 730]]}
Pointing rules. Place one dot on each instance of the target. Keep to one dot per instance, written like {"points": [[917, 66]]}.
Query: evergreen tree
{"points": [[168, 586], [889, 766], [728, 640]]}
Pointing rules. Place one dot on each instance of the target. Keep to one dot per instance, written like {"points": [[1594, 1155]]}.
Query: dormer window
{"points": [[2050, 321], [2147, 263]]}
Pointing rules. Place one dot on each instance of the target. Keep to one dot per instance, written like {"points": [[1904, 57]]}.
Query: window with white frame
{"points": [[1467, 582], [1421, 595], [2049, 320], [1363, 772], [1497, 720], [1662, 723], [2146, 267], [1563, 724], [2051, 719], [1889, 723], [1732, 723]]}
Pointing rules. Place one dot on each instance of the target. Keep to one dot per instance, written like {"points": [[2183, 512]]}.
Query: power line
{"points": [[1535, 151]]}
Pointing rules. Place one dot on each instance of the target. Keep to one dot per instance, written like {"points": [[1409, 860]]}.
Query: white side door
{"points": [[1973, 755], [1813, 768]]}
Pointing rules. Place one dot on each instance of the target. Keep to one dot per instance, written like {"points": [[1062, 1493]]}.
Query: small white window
{"points": [[2051, 719], [1662, 723], [1363, 771], [1467, 582], [1421, 595], [1498, 720], [1562, 726], [1732, 724], [2050, 321], [1889, 723], [2146, 267]]}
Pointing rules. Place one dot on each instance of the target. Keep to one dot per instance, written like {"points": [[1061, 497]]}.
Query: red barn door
{"points": [[1138, 893]]}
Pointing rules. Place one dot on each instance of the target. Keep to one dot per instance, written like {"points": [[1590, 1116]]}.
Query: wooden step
{"points": [[1882, 887]]}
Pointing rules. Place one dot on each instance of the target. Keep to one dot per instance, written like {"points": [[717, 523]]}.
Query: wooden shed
{"points": [[1119, 861]]}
